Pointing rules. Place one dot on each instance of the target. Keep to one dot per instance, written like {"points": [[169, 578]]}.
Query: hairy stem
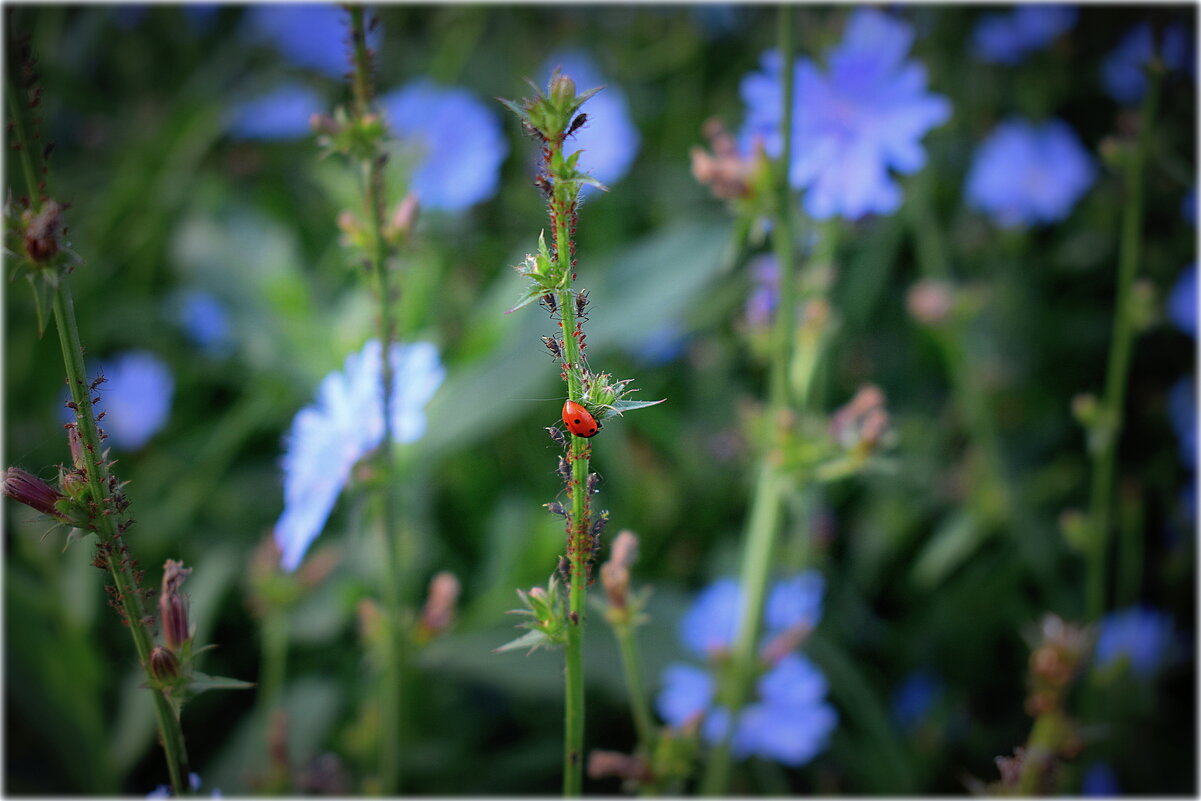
{"points": [[372, 175], [1118, 371], [119, 566], [766, 512]]}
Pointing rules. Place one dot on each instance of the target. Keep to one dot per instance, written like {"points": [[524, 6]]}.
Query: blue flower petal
{"points": [[282, 113], [687, 691], [310, 35], [1182, 302], [136, 397], [1140, 634]]}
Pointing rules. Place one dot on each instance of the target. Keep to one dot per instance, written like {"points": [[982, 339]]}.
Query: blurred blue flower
{"points": [[913, 699], [1100, 782], [1182, 302], [194, 782], [1188, 207], [852, 124], [1122, 71], [205, 320], [608, 138], [666, 344], [282, 113], [1024, 173], [765, 291], [1009, 38], [135, 396], [711, 624], [1182, 411], [458, 142], [789, 721], [310, 35], [1140, 634], [346, 423]]}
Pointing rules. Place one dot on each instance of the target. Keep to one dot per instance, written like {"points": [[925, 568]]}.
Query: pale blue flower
{"points": [[1010, 38], [1123, 72], [135, 396], [711, 624], [345, 424], [687, 692], [1025, 174], [205, 320], [854, 123], [609, 139], [913, 699], [310, 35], [456, 141], [1182, 302], [795, 601], [1139, 634], [282, 113], [1100, 782]]}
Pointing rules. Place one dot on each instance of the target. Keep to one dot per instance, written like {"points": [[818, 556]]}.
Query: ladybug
{"points": [[579, 420]]}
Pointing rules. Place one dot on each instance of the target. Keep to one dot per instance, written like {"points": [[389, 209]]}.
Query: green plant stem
{"points": [[275, 658], [1118, 371], [639, 708], [18, 135], [580, 548], [371, 170], [119, 568], [766, 512]]}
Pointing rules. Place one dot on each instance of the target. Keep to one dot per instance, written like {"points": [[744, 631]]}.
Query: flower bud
{"points": [[615, 573], [614, 764], [562, 90], [324, 124], [930, 302], [164, 666], [405, 216], [439, 612], [26, 488], [173, 605], [42, 233]]}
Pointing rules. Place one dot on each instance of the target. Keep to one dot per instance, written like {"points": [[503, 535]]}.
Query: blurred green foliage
{"points": [[917, 575]]}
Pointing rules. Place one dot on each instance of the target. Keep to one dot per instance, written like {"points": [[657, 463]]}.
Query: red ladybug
{"points": [[579, 420]]}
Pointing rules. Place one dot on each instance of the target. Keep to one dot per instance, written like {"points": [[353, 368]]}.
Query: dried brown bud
{"points": [[173, 605], [24, 487], [164, 666], [862, 421], [726, 172], [324, 124], [615, 573], [405, 217], [42, 232], [614, 764], [439, 612]]}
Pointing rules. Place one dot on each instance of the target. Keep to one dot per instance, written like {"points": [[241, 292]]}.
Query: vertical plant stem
{"points": [[766, 510], [275, 658], [639, 708], [371, 170], [119, 568], [580, 548], [1118, 370]]}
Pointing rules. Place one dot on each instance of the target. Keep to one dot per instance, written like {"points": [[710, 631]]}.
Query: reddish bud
{"points": [[606, 764], [615, 574], [173, 605], [24, 487], [164, 666], [41, 235], [439, 612]]}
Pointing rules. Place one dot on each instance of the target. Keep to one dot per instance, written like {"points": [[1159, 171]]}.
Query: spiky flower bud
{"points": [[164, 665], [562, 89], [24, 487], [173, 605], [42, 233]]}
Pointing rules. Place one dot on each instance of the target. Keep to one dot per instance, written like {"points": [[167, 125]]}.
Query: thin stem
{"points": [[371, 170], [275, 658], [639, 707], [1118, 371], [119, 565], [18, 122], [580, 548], [766, 511]]}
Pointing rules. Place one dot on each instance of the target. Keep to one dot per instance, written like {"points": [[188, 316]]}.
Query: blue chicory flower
{"points": [[852, 124], [1123, 70], [457, 140], [687, 692], [1142, 635], [1100, 782], [1010, 38], [135, 397], [1182, 302], [282, 113], [609, 138], [913, 699], [204, 320], [346, 423], [711, 625], [1024, 174], [1182, 411], [310, 35]]}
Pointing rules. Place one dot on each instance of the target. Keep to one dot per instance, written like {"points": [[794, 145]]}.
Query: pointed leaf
{"points": [[202, 681], [41, 302], [516, 109], [532, 294], [533, 640], [580, 99], [622, 406]]}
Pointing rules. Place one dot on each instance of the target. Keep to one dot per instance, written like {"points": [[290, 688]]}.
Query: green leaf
{"points": [[516, 109], [532, 294], [533, 640], [41, 303], [622, 406], [201, 682]]}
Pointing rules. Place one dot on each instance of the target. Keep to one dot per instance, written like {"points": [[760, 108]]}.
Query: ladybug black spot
{"points": [[576, 421]]}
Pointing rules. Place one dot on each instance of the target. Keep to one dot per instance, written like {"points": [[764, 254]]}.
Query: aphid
{"points": [[548, 300], [557, 435], [553, 346], [581, 304], [579, 420], [576, 124]]}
